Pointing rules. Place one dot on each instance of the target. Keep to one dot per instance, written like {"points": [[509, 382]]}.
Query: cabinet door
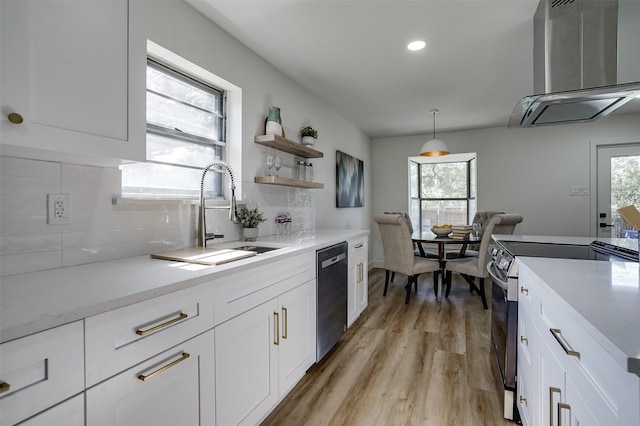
{"points": [[75, 72], [68, 413], [297, 350], [247, 365], [576, 412], [175, 387], [362, 283], [352, 293], [551, 384]]}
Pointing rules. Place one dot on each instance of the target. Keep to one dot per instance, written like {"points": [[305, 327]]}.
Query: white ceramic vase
{"points": [[250, 234]]}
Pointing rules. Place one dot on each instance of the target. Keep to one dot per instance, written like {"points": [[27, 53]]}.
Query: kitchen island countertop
{"points": [[604, 296], [36, 301]]}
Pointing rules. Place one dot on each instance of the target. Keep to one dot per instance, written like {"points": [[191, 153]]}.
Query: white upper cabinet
{"points": [[73, 78]]}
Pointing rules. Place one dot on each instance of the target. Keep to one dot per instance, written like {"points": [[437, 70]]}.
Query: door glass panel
{"points": [[625, 191]]}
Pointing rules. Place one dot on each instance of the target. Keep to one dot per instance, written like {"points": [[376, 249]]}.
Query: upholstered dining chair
{"points": [[481, 218], [471, 267], [398, 252]]}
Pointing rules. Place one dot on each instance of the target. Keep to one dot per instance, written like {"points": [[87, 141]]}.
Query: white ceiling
{"points": [[352, 54]]}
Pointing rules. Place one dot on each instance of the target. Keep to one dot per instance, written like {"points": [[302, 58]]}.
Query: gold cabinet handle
{"points": [[4, 387], [524, 340], [359, 245], [359, 279], [565, 345], [276, 326], [142, 332], [285, 320], [162, 369], [563, 406], [523, 400], [524, 290], [551, 392], [15, 118]]}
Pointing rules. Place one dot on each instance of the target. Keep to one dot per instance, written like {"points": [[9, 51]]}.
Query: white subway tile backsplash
{"points": [[10, 166], [81, 256], [102, 231], [19, 244], [30, 262]]}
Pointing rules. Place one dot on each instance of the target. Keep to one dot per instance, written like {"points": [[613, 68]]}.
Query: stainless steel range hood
{"points": [[586, 61]]}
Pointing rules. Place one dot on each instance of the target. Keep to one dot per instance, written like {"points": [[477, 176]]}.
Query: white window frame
{"points": [[233, 93], [450, 158]]}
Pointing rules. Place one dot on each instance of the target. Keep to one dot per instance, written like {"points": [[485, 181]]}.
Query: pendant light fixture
{"points": [[434, 147]]}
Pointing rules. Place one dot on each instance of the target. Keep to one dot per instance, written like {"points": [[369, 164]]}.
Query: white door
{"points": [[618, 183]]}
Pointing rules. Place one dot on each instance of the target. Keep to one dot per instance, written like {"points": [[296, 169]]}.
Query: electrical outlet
{"points": [[58, 209]]}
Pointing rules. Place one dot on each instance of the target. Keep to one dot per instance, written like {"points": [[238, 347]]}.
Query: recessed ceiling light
{"points": [[416, 45]]}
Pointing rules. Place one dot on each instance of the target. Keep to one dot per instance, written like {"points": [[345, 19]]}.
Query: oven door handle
{"points": [[497, 276]]}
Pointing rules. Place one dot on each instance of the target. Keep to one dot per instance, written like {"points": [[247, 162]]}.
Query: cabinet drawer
{"points": [[240, 292], [119, 339], [40, 370], [590, 367], [68, 413], [526, 341], [176, 387], [526, 398], [358, 245]]}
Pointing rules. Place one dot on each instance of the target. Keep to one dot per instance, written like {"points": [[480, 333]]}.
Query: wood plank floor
{"points": [[426, 363]]}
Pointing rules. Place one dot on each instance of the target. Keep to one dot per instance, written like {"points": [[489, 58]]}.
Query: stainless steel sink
{"points": [[257, 249]]}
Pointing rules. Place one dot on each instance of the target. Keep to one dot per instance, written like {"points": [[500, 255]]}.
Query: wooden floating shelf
{"points": [[282, 181], [286, 145]]}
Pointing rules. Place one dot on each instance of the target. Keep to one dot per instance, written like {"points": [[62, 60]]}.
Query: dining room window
{"points": [[442, 190]]}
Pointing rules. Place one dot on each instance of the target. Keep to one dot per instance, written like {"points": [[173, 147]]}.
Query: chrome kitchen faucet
{"points": [[203, 237]]}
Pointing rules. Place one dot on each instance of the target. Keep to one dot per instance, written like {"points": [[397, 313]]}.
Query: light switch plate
{"points": [[580, 191]]}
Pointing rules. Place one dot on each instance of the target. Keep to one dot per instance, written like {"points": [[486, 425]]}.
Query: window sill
{"points": [[156, 199]]}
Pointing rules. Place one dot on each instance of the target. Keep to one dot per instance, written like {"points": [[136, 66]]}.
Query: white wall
{"points": [[525, 171], [101, 231], [180, 28]]}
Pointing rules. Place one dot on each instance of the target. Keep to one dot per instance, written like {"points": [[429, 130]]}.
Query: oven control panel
{"points": [[501, 258]]}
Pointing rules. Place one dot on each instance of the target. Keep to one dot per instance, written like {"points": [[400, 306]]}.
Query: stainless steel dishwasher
{"points": [[332, 273]]}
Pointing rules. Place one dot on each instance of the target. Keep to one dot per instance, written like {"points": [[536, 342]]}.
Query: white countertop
{"points": [[37, 301], [605, 296], [631, 243]]}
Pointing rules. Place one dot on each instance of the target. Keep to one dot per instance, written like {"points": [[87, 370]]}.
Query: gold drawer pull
{"points": [[565, 345], [563, 406], [285, 320], [276, 326], [4, 387], [524, 340], [359, 245], [524, 290], [159, 326], [164, 368], [15, 118], [523, 400]]}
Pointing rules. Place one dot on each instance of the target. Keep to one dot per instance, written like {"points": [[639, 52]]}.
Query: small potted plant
{"points": [[309, 135], [250, 219]]}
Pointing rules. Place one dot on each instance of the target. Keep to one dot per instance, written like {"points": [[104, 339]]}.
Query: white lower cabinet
{"points": [[261, 353], [570, 378], [39, 371], [68, 413], [176, 387], [358, 291]]}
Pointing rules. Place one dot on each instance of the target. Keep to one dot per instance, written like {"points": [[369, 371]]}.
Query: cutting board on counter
{"points": [[203, 255]]}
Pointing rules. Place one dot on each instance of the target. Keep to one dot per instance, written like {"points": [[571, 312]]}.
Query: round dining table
{"points": [[428, 237]]}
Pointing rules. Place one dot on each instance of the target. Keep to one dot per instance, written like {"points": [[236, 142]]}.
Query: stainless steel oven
{"points": [[503, 270]]}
